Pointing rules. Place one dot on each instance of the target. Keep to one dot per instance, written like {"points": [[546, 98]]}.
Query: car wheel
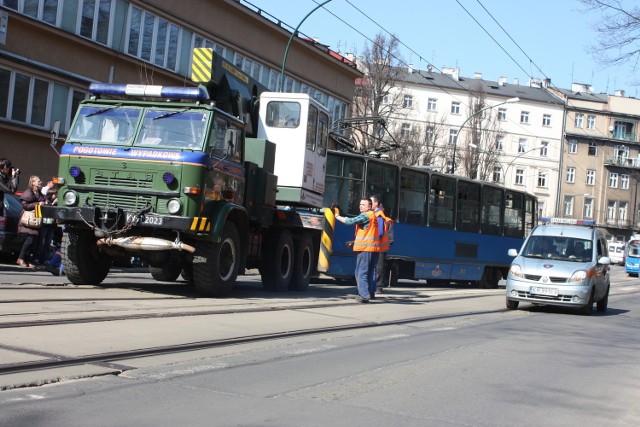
{"points": [[587, 309], [601, 305], [512, 305]]}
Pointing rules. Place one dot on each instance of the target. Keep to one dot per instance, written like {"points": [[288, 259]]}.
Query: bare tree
{"points": [[618, 40], [422, 145], [377, 93], [477, 153]]}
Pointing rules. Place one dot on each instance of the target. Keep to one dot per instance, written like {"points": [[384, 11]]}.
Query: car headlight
{"points": [[580, 276], [516, 270], [70, 198]]}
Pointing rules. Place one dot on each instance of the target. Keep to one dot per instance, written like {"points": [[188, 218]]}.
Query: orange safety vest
{"points": [[385, 243], [367, 239]]}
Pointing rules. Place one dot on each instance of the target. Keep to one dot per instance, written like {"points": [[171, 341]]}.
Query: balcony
{"points": [[624, 136], [625, 162]]}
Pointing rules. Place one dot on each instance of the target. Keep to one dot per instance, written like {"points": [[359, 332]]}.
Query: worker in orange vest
{"points": [[367, 245], [385, 230]]}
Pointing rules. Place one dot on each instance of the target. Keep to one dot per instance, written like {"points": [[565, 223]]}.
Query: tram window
{"points": [[312, 128], [344, 183], [491, 220], [530, 214], [514, 214], [382, 180], [413, 197], [281, 114], [468, 217], [441, 202]]}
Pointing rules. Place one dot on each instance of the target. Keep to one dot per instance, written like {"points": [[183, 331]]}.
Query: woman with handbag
{"points": [[31, 197]]}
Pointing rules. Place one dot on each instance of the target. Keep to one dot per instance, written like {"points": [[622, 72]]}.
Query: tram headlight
{"points": [[70, 198], [174, 206]]}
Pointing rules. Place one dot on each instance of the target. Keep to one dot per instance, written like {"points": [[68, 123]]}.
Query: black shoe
{"points": [[373, 296], [364, 300]]}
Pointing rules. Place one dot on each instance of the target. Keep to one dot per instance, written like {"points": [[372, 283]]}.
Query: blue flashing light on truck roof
{"points": [[176, 92]]}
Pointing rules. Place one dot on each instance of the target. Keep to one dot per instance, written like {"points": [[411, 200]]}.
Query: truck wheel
{"points": [[277, 263], [303, 264], [83, 262], [215, 265], [168, 272], [187, 273]]}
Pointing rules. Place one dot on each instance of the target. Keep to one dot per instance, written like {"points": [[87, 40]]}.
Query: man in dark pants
{"points": [[385, 243]]}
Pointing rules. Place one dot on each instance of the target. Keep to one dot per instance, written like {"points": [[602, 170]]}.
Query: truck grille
{"points": [[123, 182], [125, 201]]}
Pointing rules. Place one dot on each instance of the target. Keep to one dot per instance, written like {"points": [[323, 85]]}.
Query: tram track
{"points": [[111, 358]]}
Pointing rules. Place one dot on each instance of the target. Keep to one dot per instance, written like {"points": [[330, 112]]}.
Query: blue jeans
{"points": [[366, 273]]}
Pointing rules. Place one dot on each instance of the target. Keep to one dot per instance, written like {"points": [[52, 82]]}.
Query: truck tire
{"points": [[168, 272], [303, 264], [276, 268], [216, 265], [83, 262]]}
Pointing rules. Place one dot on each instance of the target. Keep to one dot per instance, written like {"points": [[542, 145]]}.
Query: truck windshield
{"points": [[180, 129], [113, 125]]}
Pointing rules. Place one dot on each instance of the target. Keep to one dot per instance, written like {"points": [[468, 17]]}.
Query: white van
{"points": [[563, 265], [616, 252]]}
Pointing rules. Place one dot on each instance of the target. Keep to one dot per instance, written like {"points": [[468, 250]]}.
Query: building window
{"points": [[385, 99], [43, 10], [542, 179], [153, 39], [544, 149], [502, 114], [593, 149], [622, 211], [431, 133], [588, 208], [624, 181], [407, 101], [571, 175], [568, 205], [591, 177], [432, 104], [499, 143], [94, 20], [573, 146], [611, 210], [546, 120], [522, 145], [578, 120], [453, 136], [455, 107], [519, 177], [524, 117], [591, 121], [613, 179], [24, 98], [497, 174], [405, 131]]}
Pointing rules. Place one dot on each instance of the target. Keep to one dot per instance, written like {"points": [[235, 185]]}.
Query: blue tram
{"points": [[448, 228]]}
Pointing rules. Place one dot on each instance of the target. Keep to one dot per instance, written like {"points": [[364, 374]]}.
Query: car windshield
{"points": [[561, 248], [181, 129]]}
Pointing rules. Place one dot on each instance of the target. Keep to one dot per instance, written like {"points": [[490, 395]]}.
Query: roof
{"points": [[584, 96], [490, 88]]}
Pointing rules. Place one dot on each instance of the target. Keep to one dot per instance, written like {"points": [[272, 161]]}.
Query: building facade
{"points": [[51, 50]]}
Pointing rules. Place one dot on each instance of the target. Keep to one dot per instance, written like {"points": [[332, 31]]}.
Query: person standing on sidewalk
{"points": [[367, 245], [9, 179], [385, 227]]}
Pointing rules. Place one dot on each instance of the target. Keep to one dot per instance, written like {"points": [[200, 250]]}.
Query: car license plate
{"points": [[543, 291]]}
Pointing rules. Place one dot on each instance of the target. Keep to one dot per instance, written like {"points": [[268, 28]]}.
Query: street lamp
{"points": [[455, 146], [293, 34]]}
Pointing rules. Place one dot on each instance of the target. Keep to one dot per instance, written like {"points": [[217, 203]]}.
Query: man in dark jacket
{"points": [[9, 177]]}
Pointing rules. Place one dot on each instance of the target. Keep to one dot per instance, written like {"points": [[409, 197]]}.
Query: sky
{"points": [[550, 37]]}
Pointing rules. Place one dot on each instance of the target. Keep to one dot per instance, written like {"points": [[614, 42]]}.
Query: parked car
{"points": [[561, 265], [616, 252], [10, 240]]}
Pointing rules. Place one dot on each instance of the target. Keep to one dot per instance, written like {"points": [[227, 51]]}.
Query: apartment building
{"points": [[523, 126], [601, 162], [51, 50]]}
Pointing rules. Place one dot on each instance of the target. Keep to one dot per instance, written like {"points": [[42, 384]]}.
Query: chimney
{"points": [[410, 68], [516, 81], [619, 92], [477, 75], [502, 80], [452, 72], [581, 87]]}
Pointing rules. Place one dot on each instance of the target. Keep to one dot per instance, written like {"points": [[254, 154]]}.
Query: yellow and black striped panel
{"points": [[326, 241], [200, 224], [38, 210], [202, 65]]}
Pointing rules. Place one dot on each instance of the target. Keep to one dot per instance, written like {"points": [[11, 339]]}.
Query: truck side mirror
{"points": [[55, 131], [231, 141]]}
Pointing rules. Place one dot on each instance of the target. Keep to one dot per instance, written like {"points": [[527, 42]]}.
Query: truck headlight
{"points": [[173, 206], [70, 198]]}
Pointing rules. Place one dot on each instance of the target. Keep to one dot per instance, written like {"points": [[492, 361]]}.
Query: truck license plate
{"points": [[543, 291], [146, 219]]}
